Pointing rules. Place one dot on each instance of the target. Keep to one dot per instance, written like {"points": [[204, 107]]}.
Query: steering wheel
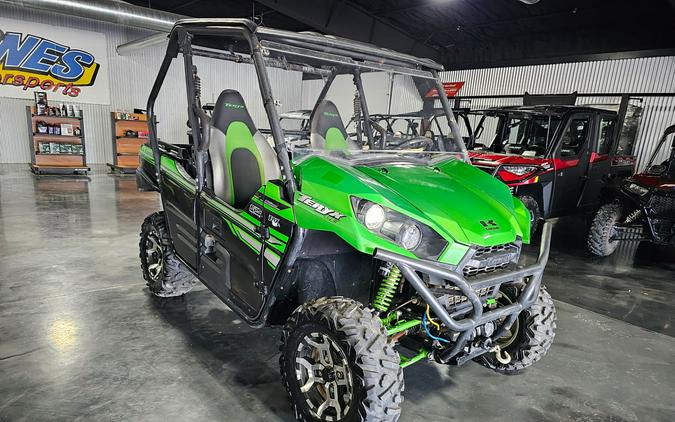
{"points": [[416, 143]]}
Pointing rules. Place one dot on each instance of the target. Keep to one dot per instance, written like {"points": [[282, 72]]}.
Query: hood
{"points": [[457, 199]]}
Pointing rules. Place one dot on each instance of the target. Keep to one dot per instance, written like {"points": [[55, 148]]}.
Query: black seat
{"points": [[327, 130], [241, 158]]}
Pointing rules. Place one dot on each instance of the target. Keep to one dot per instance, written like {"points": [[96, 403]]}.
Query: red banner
{"points": [[451, 89]]}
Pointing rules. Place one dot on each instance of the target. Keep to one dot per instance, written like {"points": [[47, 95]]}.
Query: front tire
{"points": [[530, 337], [336, 363], [535, 213], [603, 228], [165, 275]]}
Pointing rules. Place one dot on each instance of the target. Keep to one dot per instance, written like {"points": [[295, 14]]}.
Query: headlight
{"points": [[407, 232], [410, 236], [519, 170], [637, 189], [373, 216]]}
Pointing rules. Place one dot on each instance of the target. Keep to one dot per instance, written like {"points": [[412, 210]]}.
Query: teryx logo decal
{"points": [[321, 209], [30, 62], [489, 224]]}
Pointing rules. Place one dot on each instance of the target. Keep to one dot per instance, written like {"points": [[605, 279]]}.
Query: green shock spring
{"points": [[387, 289]]}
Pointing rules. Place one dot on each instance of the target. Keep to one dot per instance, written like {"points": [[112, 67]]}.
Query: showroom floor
{"points": [[82, 339]]}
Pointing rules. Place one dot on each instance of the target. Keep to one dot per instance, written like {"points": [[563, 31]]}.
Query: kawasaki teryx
{"points": [[373, 260]]}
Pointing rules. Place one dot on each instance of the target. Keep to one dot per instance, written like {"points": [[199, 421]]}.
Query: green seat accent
{"points": [[335, 141], [238, 136]]}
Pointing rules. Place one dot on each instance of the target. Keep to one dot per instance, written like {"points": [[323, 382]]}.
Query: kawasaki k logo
{"points": [[489, 224], [321, 209], [30, 61]]}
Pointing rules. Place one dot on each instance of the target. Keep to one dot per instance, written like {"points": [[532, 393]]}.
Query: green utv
{"points": [[371, 260]]}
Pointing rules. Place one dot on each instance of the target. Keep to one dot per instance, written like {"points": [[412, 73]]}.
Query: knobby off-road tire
{"points": [[373, 365], [602, 229], [531, 338], [535, 213], [164, 273]]}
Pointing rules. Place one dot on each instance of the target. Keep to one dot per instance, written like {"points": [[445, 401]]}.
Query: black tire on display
{"points": [[166, 276], [337, 364], [535, 213], [530, 336], [603, 228]]}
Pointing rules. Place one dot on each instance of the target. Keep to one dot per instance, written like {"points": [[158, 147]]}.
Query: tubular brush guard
{"points": [[476, 317]]}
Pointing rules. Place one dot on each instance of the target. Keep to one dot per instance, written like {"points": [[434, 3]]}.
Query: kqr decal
{"points": [[33, 62]]}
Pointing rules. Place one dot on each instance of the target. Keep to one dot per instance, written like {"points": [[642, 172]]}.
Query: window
{"points": [[515, 131], [605, 135], [530, 137], [575, 137]]}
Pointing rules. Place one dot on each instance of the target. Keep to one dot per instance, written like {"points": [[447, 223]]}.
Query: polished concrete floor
{"points": [[81, 339]]}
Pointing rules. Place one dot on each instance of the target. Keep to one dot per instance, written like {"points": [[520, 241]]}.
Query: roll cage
{"points": [[267, 47]]}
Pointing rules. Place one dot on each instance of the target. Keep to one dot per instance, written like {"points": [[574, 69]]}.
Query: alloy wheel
{"points": [[324, 376]]}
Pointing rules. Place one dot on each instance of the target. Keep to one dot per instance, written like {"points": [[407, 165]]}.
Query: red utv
{"points": [[558, 159], [645, 201]]}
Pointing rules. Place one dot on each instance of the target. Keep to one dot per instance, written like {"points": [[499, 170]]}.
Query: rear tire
{"points": [[532, 335], [165, 275], [362, 373], [603, 228]]}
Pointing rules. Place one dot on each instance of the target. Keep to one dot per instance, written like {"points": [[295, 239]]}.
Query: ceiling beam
{"points": [[345, 19]]}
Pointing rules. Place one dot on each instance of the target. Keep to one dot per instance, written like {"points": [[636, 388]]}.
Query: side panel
{"points": [[599, 167], [571, 163], [178, 200], [233, 270]]}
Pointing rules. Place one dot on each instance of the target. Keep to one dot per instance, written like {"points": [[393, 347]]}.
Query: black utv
{"points": [[644, 203]]}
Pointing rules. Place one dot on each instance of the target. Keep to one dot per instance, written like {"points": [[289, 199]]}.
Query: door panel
{"points": [[233, 269], [571, 162], [599, 167], [178, 200]]}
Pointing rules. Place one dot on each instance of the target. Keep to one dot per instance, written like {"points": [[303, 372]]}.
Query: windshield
{"points": [[526, 135], [391, 112], [374, 158]]}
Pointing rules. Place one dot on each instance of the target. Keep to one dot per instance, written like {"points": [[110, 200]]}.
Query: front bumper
{"points": [[475, 317]]}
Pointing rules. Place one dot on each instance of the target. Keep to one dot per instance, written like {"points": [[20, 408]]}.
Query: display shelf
{"points": [[125, 147], [56, 163], [49, 135]]}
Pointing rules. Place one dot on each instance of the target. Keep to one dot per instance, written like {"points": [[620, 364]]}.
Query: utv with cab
{"points": [[558, 159], [643, 203], [371, 260]]}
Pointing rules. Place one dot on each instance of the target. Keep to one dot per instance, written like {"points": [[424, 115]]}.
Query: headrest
{"points": [[327, 116], [229, 108]]}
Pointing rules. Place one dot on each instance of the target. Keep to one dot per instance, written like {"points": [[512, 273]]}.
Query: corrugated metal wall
{"points": [[644, 75], [131, 78]]}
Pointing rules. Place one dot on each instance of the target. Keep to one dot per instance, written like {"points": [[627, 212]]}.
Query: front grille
{"points": [[662, 204], [491, 258], [454, 300]]}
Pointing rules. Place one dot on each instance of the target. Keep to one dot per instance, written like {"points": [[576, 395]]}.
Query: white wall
{"points": [[131, 78]]}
